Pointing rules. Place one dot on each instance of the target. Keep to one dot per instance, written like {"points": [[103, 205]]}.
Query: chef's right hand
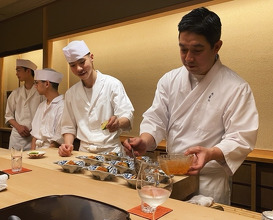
{"points": [[23, 130], [65, 150], [136, 144]]}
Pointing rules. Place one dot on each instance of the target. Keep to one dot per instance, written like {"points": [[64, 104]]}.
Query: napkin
{"points": [[3, 181], [201, 200], [160, 211]]}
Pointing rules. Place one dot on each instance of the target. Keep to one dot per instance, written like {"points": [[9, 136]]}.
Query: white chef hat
{"points": [[75, 50], [26, 63], [48, 74]]}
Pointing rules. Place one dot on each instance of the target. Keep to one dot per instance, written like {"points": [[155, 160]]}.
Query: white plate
{"points": [[36, 154]]}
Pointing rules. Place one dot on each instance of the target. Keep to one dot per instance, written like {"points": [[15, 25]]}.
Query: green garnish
{"points": [[34, 152]]}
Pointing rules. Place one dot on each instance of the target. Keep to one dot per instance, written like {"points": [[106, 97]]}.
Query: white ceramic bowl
{"points": [[130, 178], [123, 166], [92, 159], [103, 172], [71, 166], [111, 155]]}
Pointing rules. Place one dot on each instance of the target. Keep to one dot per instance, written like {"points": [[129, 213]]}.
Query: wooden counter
{"points": [[263, 156], [47, 178], [184, 186]]}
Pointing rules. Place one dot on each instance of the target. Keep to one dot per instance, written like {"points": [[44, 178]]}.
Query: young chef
{"points": [[21, 105], [202, 108], [46, 124], [96, 98]]}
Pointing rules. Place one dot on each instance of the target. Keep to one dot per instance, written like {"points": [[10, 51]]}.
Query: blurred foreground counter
{"points": [[47, 178]]}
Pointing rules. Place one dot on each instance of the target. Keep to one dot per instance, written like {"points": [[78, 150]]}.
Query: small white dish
{"points": [[71, 166], [35, 154], [111, 155], [144, 158], [92, 159], [104, 172], [123, 166], [130, 178]]}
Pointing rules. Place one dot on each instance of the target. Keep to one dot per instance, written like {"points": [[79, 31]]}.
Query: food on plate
{"points": [[103, 125], [143, 158], [36, 154], [110, 155], [33, 152], [92, 157], [101, 168], [70, 162], [113, 153], [155, 171], [133, 177], [121, 163]]}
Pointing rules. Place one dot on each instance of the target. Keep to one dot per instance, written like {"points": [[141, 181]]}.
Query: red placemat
{"points": [[9, 171], [160, 211]]}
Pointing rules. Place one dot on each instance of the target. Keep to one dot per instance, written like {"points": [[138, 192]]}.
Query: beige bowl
{"points": [[176, 164]]}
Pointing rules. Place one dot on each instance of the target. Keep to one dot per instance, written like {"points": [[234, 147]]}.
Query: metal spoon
{"points": [[136, 162]]}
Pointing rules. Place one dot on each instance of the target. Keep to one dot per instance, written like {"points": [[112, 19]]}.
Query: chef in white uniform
{"points": [[46, 124], [96, 98], [21, 106], [202, 108]]}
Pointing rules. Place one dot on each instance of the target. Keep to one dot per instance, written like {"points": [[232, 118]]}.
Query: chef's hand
{"points": [[202, 156], [137, 144], [113, 124], [65, 150], [23, 130]]}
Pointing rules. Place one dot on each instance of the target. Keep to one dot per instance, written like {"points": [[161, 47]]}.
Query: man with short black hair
{"points": [[21, 106], [202, 108]]}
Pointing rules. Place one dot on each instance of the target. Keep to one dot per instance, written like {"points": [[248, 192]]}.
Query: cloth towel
{"points": [[201, 200], [3, 181]]}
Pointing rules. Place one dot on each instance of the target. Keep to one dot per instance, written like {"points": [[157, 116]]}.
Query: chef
{"points": [[202, 108], [97, 99], [46, 124], [21, 105]]}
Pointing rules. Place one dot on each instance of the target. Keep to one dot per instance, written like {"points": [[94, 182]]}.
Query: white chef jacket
{"points": [[220, 111], [83, 117], [46, 124], [22, 108]]}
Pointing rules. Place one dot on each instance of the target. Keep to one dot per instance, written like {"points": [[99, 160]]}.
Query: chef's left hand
{"points": [[202, 156], [113, 124]]}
